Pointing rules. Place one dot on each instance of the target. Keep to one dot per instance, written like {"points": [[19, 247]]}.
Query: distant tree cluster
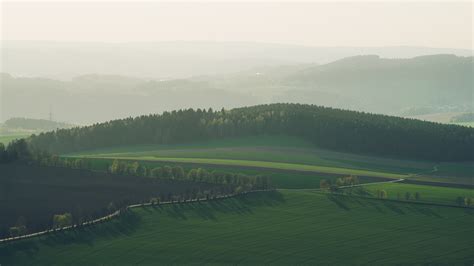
{"points": [[347, 181], [330, 128], [34, 124], [19, 228], [327, 184], [126, 168], [409, 196], [54, 160], [381, 194], [62, 220], [465, 201]]}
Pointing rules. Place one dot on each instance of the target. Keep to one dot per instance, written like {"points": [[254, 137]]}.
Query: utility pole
{"points": [[50, 113]]}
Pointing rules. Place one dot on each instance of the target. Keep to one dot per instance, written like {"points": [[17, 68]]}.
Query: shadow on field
{"points": [[428, 211], [128, 223], [469, 211], [393, 207], [241, 205], [347, 202], [125, 225], [339, 201]]}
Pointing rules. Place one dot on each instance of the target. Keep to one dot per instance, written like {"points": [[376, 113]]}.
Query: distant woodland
{"points": [[335, 129], [33, 124]]}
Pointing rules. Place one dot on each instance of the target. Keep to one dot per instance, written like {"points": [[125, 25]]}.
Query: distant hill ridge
{"points": [[364, 83], [329, 128], [177, 59], [34, 124]]}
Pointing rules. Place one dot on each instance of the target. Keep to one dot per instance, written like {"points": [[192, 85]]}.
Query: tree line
{"points": [[340, 182], [230, 184], [15, 150], [465, 201], [330, 128], [241, 182], [238, 181]]}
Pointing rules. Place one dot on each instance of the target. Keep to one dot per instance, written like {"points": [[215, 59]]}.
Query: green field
{"points": [[279, 178], [427, 193], [466, 124], [286, 227], [264, 164], [287, 153], [268, 149]]}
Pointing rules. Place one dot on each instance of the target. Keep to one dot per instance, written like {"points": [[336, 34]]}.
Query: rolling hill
{"points": [[408, 86], [176, 59], [393, 84], [285, 227], [328, 128], [290, 161]]}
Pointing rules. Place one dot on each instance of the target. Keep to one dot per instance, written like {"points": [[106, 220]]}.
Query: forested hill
{"points": [[34, 124], [326, 127]]}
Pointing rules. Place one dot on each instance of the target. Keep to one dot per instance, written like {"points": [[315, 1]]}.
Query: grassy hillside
{"points": [[279, 178], [38, 193], [287, 227], [280, 149], [287, 153], [427, 193]]}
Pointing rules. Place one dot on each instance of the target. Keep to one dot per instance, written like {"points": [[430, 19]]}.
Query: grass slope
{"points": [[263, 164], [288, 153], [266, 148], [427, 193], [37, 193], [287, 227], [280, 178]]}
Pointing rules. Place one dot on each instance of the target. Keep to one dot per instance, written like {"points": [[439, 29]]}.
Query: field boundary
{"points": [[119, 212], [250, 164], [348, 186], [401, 180], [292, 168], [438, 184], [439, 204], [317, 190]]}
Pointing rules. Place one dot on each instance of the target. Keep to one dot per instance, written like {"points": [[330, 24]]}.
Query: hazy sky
{"points": [[317, 24]]}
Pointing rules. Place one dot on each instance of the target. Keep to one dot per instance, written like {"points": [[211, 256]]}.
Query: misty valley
{"points": [[236, 133]]}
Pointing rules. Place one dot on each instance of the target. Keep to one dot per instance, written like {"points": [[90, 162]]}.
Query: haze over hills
{"points": [[20, 125], [426, 84], [375, 84], [176, 59], [138, 132]]}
